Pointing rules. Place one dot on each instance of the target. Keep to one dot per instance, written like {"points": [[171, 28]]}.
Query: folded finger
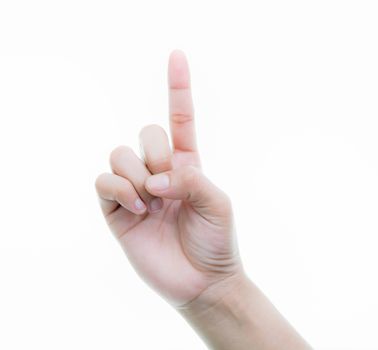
{"points": [[155, 148], [113, 190], [124, 162]]}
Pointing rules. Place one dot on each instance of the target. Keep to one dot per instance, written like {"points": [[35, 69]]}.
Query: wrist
{"points": [[234, 314], [221, 315], [223, 295]]}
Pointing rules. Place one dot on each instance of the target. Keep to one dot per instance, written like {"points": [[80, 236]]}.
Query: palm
{"points": [[157, 245]]}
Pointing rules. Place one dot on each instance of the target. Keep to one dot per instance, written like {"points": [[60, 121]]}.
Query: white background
{"points": [[285, 95]]}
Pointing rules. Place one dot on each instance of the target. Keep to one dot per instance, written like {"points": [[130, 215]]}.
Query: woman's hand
{"points": [[174, 224], [177, 230]]}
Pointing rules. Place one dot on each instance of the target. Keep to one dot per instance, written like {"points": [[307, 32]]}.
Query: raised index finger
{"points": [[181, 110]]}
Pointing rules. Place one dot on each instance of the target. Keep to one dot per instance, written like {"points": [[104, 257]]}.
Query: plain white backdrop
{"points": [[285, 96]]}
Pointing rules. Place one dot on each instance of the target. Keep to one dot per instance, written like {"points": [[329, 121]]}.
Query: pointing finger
{"points": [[181, 108]]}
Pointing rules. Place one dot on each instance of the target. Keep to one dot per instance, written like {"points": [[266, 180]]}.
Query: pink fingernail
{"points": [[156, 204], [139, 205]]}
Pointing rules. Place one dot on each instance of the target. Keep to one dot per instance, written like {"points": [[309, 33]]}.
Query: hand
{"points": [[175, 226], [177, 230]]}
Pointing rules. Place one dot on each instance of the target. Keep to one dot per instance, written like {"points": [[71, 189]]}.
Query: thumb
{"points": [[189, 184]]}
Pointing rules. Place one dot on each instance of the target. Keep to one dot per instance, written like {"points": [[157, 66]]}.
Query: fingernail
{"points": [[156, 204], [158, 182], [139, 205]]}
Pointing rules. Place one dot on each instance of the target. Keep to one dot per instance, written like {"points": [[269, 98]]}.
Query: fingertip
{"points": [[178, 70], [139, 206], [155, 205], [177, 53]]}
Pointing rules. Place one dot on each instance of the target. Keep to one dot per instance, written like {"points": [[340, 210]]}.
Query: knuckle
{"points": [[100, 181], [150, 128], [181, 118], [118, 153], [224, 209], [226, 202]]}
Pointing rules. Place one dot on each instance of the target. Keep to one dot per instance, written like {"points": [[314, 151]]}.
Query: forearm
{"points": [[238, 316]]}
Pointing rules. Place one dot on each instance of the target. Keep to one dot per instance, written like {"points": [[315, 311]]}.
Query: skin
{"points": [[177, 230]]}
